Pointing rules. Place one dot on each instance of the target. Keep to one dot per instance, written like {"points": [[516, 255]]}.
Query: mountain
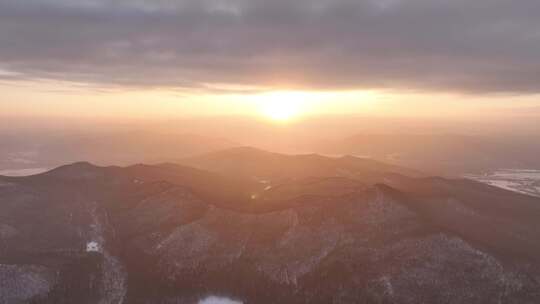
{"points": [[50, 149], [251, 163], [294, 230], [449, 154]]}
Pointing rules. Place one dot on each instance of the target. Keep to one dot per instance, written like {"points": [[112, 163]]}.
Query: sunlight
{"points": [[283, 106]]}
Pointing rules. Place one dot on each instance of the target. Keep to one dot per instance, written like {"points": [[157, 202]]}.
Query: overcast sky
{"points": [[472, 47], [459, 45]]}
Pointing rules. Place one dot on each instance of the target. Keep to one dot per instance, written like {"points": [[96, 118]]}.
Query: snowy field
{"points": [[522, 181], [218, 300], [22, 172]]}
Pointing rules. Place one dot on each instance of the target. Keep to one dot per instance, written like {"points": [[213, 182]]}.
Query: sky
{"points": [[277, 59]]}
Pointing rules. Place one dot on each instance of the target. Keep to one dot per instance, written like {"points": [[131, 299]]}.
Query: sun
{"points": [[280, 110], [282, 106]]}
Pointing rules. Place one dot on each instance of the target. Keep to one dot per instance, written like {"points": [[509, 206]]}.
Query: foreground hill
{"points": [[175, 234]]}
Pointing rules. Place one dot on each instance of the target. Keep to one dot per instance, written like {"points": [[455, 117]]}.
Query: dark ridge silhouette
{"points": [[263, 233]]}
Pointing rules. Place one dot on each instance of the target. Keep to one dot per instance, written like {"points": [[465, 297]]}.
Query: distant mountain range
{"points": [[31, 151], [441, 153], [436, 154], [263, 227]]}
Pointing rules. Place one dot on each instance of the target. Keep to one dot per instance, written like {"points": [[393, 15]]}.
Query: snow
{"points": [[24, 283], [219, 300], [522, 181], [387, 283], [518, 174], [23, 172], [508, 185], [114, 275], [92, 247]]}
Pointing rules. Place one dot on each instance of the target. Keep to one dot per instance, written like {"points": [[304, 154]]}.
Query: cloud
{"points": [[482, 46]]}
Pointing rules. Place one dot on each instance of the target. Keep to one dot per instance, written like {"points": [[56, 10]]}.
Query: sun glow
{"points": [[283, 106], [281, 110]]}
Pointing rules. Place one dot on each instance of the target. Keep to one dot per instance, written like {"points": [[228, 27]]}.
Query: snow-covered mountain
{"points": [[259, 227]]}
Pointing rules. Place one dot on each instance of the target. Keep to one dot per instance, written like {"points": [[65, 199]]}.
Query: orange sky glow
{"points": [[53, 98]]}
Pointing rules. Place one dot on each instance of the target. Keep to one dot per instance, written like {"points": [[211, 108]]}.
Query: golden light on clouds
{"points": [[48, 99], [56, 99]]}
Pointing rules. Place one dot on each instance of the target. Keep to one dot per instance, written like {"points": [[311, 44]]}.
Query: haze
{"points": [[278, 75], [269, 151]]}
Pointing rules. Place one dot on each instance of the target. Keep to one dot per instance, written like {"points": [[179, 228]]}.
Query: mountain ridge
{"points": [[165, 234]]}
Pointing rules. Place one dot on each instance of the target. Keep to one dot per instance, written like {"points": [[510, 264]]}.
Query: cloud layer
{"points": [[481, 46]]}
